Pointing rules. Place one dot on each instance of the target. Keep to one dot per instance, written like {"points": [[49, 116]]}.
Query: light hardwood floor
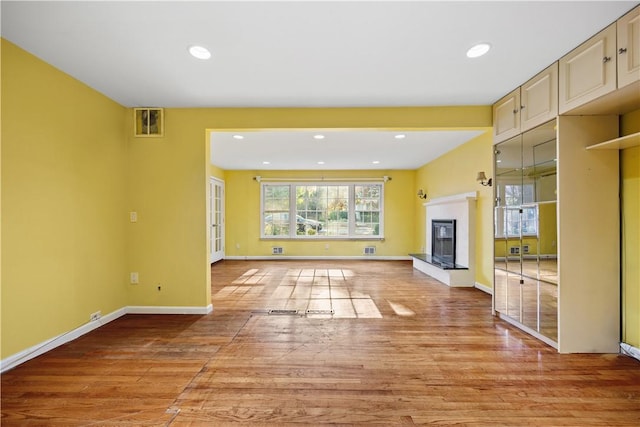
{"points": [[398, 349]]}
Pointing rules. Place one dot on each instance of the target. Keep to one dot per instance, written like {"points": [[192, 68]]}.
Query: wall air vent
{"points": [[514, 250], [277, 250], [148, 121], [370, 250], [525, 249]]}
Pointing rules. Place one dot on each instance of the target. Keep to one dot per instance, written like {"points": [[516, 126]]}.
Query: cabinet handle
{"points": [[515, 111], [606, 59], [622, 50], [522, 107]]}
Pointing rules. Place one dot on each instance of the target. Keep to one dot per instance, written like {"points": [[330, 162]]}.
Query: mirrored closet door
{"points": [[525, 249]]}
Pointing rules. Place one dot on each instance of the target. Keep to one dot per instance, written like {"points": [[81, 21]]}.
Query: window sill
{"points": [[323, 238]]}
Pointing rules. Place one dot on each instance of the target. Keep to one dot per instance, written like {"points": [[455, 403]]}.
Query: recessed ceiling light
{"points": [[376, 162], [478, 50], [266, 163], [199, 52], [400, 136], [318, 136], [321, 162], [238, 137]]}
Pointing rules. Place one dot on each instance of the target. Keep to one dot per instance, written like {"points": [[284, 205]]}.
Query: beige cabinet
{"points": [[629, 48], [588, 71], [539, 98], [506, 117], [530, 105]]}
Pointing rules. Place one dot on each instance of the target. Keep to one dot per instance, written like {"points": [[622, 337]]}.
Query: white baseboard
{"points": [[629, 350], [484, 288], [139, 309], [48, 345], [326, 258]]}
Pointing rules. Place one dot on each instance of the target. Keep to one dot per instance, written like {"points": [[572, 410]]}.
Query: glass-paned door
{"points": [[216, 219]]}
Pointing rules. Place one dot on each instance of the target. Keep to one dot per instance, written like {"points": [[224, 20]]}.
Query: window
{"points": [[318, 210], [512, 216]]}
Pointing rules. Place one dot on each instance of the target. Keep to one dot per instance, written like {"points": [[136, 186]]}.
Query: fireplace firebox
{"points": [[443, 242]]}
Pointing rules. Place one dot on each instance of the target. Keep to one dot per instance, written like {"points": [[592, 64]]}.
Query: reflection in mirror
{"points": [[525, 281]]}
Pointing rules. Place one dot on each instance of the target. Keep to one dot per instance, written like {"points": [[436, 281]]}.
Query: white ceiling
{"points": [[304, 53], [372, 149]]}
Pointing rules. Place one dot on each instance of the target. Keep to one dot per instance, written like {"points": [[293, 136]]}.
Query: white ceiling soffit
{"points": [[303, 53], [302, 150]]}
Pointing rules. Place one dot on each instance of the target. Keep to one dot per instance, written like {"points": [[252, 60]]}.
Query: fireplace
{"points": [[443, 242]]}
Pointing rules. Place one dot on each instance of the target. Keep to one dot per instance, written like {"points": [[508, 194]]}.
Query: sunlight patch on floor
{"points": [[319, 293]]}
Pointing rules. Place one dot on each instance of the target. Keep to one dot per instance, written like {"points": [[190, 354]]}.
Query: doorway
{"points": [[216, 212]]}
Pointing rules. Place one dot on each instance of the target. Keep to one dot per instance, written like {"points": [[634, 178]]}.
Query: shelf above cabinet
{"points": [[621, 143]]}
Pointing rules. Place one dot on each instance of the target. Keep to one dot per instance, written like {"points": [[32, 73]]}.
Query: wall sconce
{"points": [[482, 179], [421, 194]]}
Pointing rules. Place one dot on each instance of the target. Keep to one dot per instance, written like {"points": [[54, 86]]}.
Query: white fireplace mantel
{"points": [[462, 208]]}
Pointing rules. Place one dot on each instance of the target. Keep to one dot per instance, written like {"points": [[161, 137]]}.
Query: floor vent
{"points": [[285, 312], [277, 250], [369, 250], [514, 250], [320, 312]]}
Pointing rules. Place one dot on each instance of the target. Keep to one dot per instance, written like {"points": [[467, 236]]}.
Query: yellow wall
{"points": [[630, 188], [63, 202], [243, 216], [216, 172], [453, 173]]}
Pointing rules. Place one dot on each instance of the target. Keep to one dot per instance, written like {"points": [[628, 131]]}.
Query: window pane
{"points": [[530, 221], [367, 204], [512, 195], [338, 210], [310, 210], [276, 210], [513, 222]]}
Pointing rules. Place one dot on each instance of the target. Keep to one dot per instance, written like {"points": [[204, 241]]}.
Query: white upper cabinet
{"points": [[530, 105], [629, 48], [588, 71]]}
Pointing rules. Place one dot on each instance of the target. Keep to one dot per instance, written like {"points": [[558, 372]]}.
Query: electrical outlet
{"points": [[133, 277], [133, 216], [95, 316]]}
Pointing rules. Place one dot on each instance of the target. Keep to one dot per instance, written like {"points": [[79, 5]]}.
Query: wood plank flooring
{"points": [[371, 343]]}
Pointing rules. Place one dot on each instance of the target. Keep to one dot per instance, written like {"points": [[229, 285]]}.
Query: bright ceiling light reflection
{"points": [[199, 52], [318, 136], [478, 50], [238, 137]]}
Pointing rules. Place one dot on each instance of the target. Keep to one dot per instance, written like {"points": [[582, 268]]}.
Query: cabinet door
{"points": [[506, 117], [539, 98], [629, 48], [589, 71]]}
